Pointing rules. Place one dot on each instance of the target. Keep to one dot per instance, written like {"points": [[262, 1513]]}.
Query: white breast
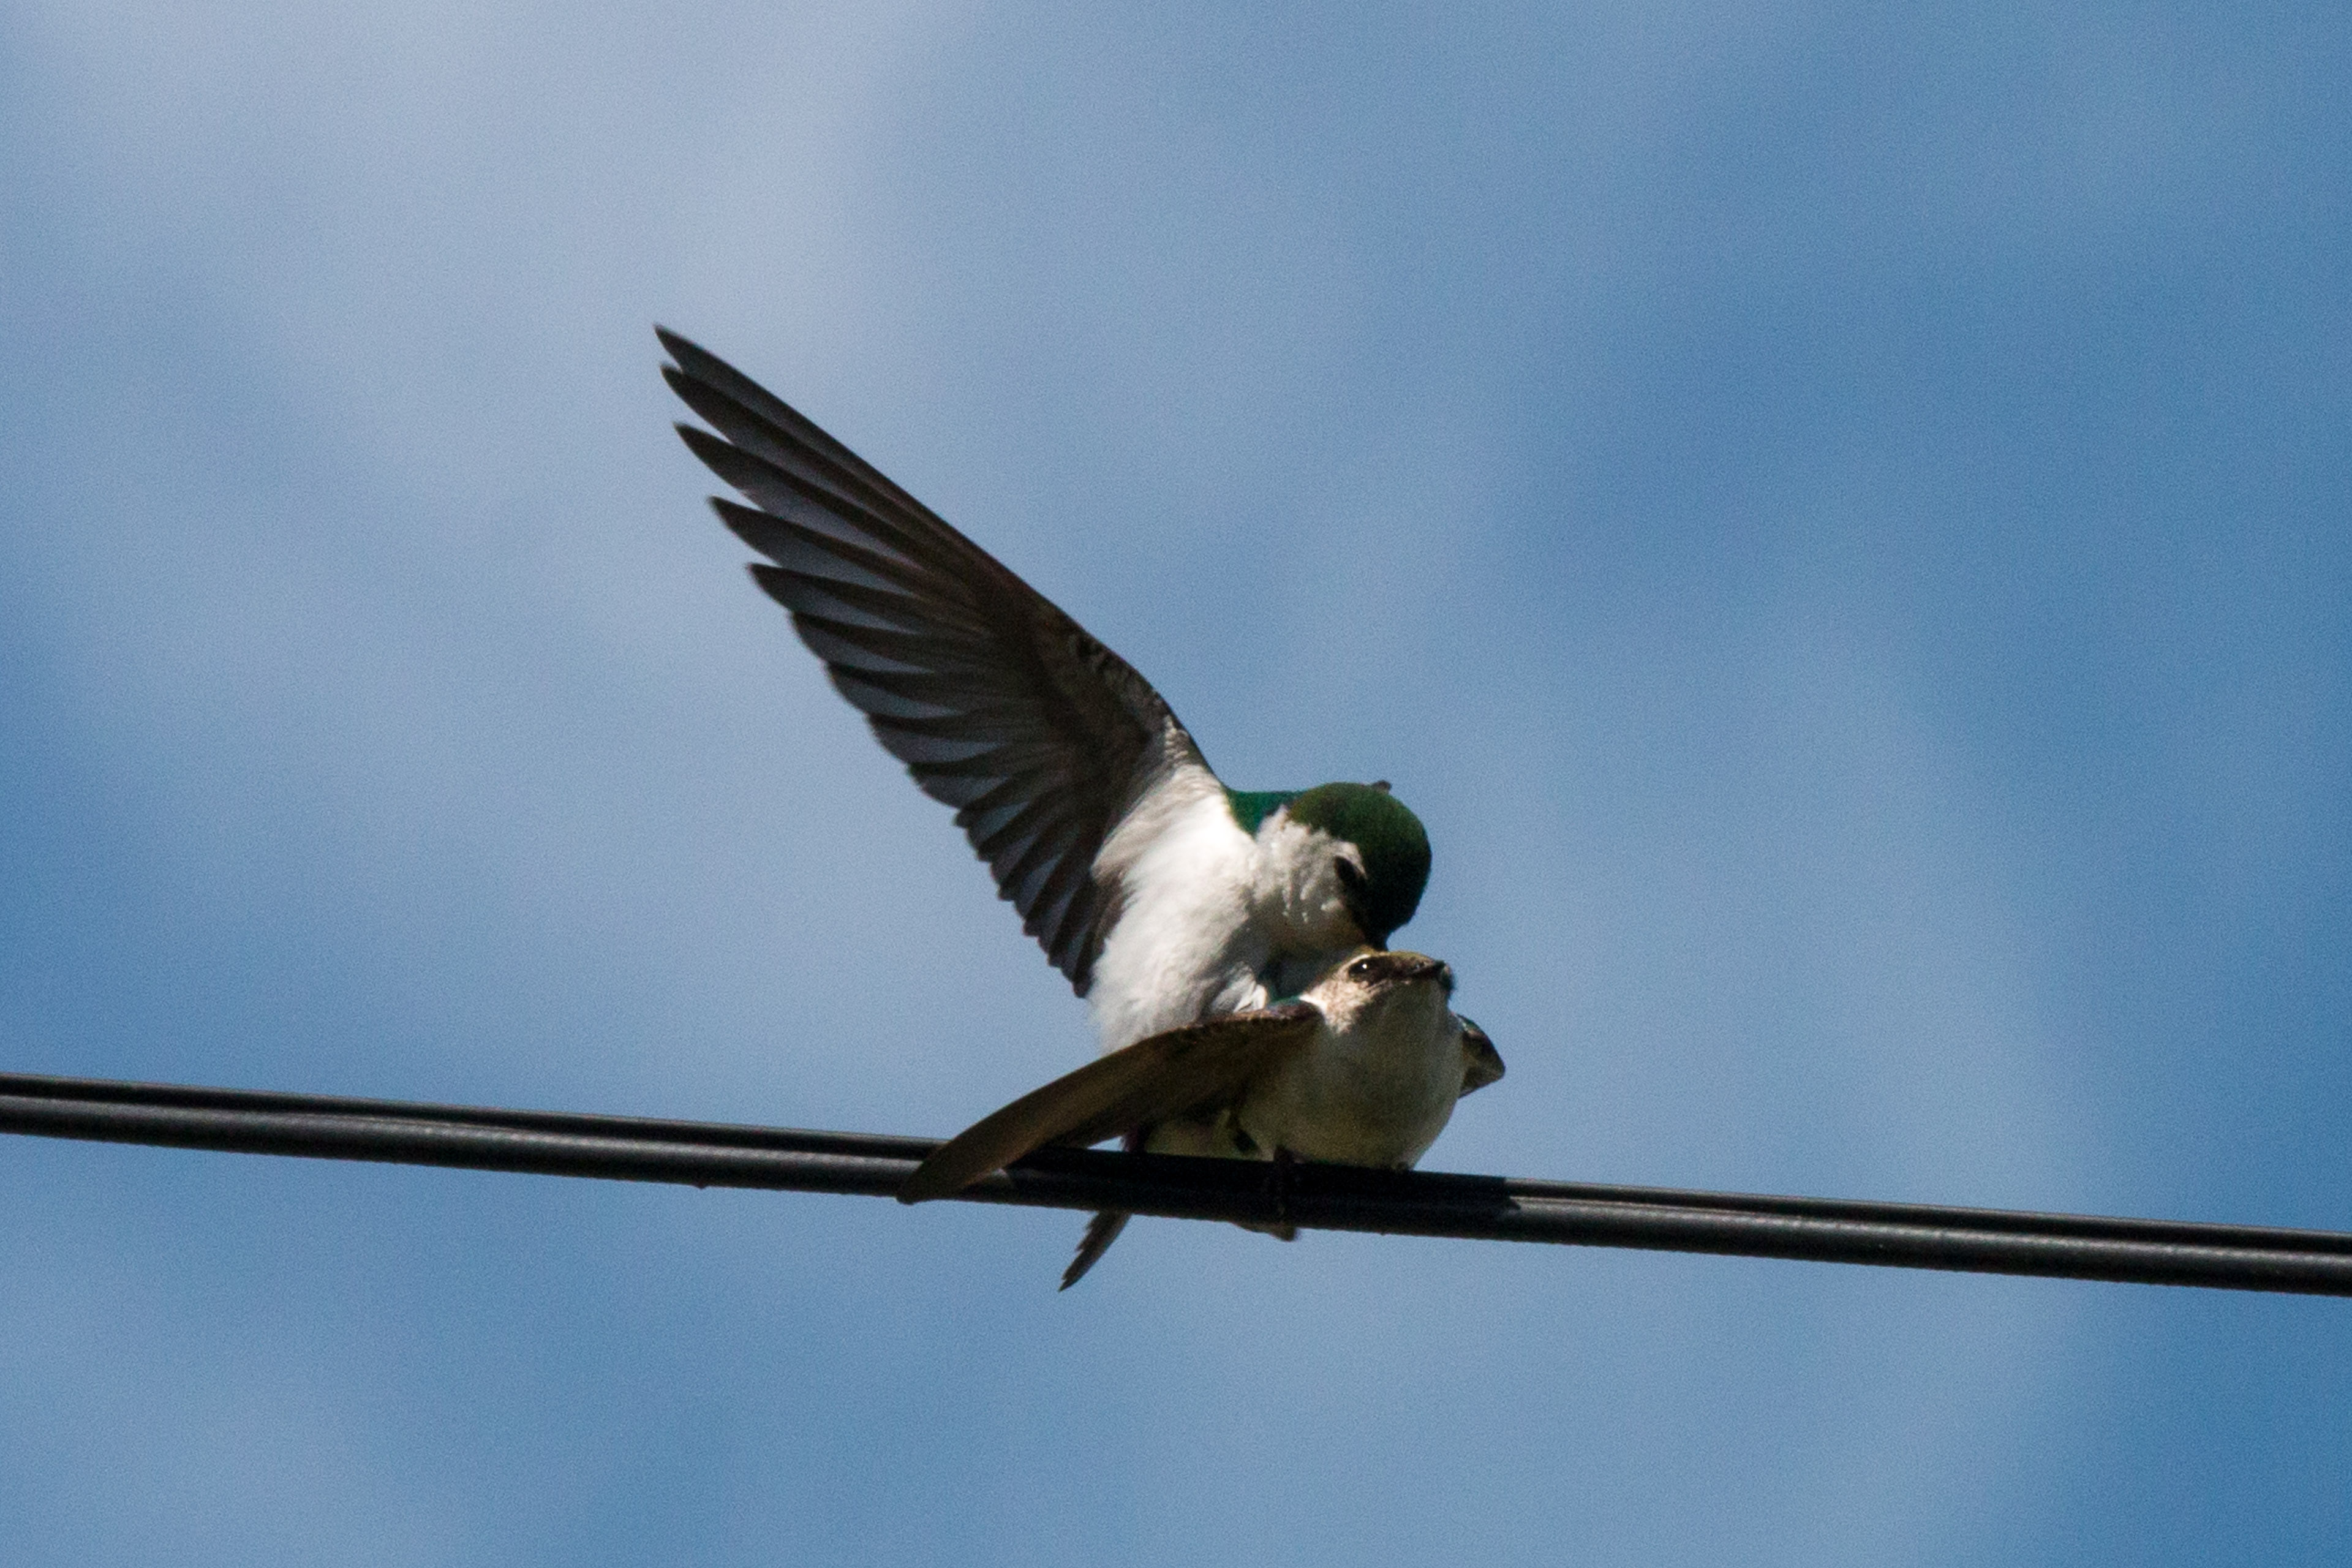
{"points": [[1376, 1086], [1184, 947], [1212, 920]]}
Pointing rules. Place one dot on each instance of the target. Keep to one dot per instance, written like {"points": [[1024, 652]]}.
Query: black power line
{"points": [[1327, 1197]]}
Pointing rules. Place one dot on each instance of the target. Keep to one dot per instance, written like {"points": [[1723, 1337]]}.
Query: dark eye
{"points": [[1363, 968]]}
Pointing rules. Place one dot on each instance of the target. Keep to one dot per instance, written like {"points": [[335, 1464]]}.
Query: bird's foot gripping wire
{"points": [[1284, 1166]]}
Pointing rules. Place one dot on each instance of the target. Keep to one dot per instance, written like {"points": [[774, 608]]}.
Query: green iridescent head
{"points": [[1395, 847]]}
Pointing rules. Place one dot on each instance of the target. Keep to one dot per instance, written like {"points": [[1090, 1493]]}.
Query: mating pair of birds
{"points": [[1232, 945]]}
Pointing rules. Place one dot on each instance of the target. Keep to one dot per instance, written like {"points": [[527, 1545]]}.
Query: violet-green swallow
{"points": [[1165, 898], [1363, 1069]]}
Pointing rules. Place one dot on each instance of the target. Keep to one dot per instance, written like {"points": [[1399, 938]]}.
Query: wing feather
{"points": [[1000, 705], [1148, 1083], [1481, 1063]]}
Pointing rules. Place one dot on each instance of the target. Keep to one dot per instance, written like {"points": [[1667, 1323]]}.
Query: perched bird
{"points": [[1363, 1069], [1165, 898]]}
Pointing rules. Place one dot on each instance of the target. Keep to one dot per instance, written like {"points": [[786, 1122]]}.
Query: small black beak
{"points": [[1427, 969]]}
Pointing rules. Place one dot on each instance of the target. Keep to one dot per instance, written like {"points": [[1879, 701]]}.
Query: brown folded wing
{"points": [[1481, 1063], [1143, 1084]]}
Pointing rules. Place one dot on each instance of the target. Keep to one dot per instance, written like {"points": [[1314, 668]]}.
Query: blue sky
{"points": [[1837, 521]]}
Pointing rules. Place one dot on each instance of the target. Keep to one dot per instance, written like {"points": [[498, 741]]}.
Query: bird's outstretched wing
{"points": [[1481, 1063], [999, 704], [1136, 1086]]}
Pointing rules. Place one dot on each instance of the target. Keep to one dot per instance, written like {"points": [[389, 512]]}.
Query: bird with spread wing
{"points": [[1230, 943]]}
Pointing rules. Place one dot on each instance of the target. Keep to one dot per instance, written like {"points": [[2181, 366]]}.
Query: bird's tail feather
{"points": [[1101, 1231]]}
